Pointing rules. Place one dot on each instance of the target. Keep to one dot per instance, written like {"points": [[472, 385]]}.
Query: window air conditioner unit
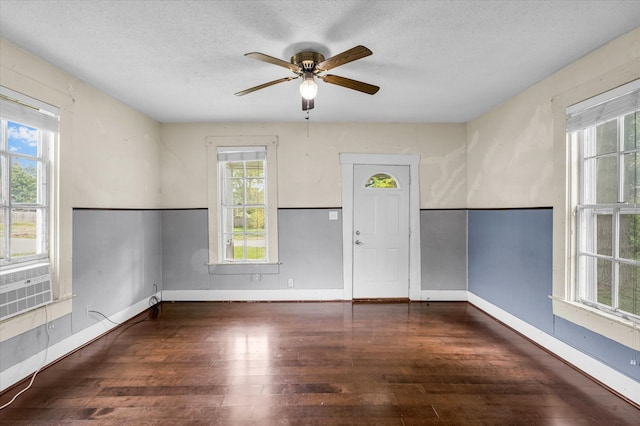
{"points": [[24, 289]]}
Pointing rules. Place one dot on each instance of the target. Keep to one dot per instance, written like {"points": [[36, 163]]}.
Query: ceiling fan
{"points": [[308, 65]]}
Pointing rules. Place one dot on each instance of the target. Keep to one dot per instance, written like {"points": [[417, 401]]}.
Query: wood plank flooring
{"points": [[328, 363]]}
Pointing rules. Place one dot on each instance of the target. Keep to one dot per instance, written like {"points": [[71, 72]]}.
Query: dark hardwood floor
{"points": [[315, 363]]}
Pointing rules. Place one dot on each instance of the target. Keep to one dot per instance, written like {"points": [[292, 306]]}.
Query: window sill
{"points": [[243, 268], [623, 331], [23, 266]]}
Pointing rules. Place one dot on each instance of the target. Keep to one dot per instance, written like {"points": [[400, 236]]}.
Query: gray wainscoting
{"points": [[510, 266], [117, 259], [310, 251], [510, 262], [25, 345], [443, 240]]}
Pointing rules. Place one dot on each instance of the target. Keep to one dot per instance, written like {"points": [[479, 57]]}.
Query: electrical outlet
{"points": [[51, 325], [87, 310], [633, 362], [290, 282]]}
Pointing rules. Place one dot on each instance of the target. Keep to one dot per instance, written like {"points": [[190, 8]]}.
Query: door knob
{"points": [[358, 242]]}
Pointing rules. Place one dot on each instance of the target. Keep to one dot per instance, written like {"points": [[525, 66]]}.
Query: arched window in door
{"points": [[381, 181]]}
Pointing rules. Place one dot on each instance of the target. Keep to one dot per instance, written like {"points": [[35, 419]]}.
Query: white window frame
{"points": [[216, 248], [587, 212], [565, 194], [241, 154], [27, 111]]}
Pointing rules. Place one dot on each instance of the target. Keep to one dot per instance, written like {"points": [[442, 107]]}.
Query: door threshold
{"points": [[382, 300]]}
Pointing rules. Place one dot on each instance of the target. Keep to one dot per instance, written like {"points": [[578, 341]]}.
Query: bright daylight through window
{"points": [[29, 129], [243, 204], [606, 133]]}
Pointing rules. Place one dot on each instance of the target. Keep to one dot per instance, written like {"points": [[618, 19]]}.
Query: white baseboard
{"points": [[444, 295], [26, 368], [291, 295], [615, 380], [276, 295]]}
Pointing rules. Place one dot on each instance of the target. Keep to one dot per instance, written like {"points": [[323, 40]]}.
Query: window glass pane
{"points": [[24, 181], [238, 244], [604, 282], [596, 232], [632, 131], [237, 218], [631, 184], [606, 180], [227, 220], [630, 236], [255, 219], [604, 244], [607, 137], [255, 169], [24, 225], [233, 192], [629, 296], [255, 191], [22, 139], [234, 169], [256, 247], [381, 180]]}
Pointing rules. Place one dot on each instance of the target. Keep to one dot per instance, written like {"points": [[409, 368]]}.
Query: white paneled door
{"points": [[380, 231]]}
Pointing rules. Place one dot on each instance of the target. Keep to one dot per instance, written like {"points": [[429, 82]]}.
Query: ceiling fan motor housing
{"points": [[309, 64], [307, 60]]}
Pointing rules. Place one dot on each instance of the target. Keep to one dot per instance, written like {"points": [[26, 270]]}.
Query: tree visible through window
{"points": [[608, 206]]}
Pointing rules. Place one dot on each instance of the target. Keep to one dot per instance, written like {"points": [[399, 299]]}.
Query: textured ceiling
{"points": [[435, 61]]}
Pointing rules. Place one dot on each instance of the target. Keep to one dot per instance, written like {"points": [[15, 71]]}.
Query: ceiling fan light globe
{"points": [[308, 89]]}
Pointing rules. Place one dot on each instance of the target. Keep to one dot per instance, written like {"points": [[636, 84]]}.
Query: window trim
{"points": [[215, 260], [565, 195], [60, 214], [260, 155], [23, 109], [587, 210]]}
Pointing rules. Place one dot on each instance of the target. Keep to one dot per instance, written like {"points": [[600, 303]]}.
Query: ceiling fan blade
{"points": [[345, 57], [262, 86], [351, 84], [275, 61]]}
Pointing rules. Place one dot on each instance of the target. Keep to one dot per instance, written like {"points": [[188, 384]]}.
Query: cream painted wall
{"points": [[108, 156], [510, 152], [110, 151], [308, 159], [116, 155]]}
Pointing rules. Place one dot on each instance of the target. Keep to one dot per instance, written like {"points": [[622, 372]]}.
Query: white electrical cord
{"points": [[33, 377]]}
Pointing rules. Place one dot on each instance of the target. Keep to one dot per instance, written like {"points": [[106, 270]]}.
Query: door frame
{"points": [[348, 161]]}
